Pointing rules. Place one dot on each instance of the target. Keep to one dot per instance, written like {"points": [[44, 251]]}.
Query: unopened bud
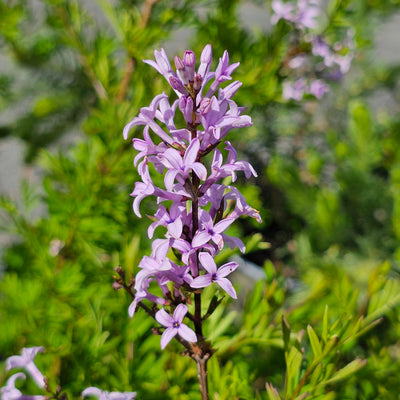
{"points": [[206, 55], [179, 64], [176, 84], [189, 58], [205, 105]]}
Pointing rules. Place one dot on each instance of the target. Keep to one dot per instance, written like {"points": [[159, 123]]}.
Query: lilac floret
{"points": [[25, 360], [103, 395], [10, 392], [174, 325], [215, 275]]}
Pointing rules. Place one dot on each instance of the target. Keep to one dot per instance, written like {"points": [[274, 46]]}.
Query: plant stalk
{"points": [[201, 363]]}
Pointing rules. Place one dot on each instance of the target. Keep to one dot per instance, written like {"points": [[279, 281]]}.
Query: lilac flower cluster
{"points": [[303, 14], [26, 361], [193, 207], [312, 61]]}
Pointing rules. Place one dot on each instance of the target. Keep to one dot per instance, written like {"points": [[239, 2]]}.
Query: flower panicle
{"points": [[194, 208], [312, 62]]}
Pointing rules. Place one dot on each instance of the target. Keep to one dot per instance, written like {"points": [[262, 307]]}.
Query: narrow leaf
{"points": [[348, 370], [294, 359], [325, 324], [286, 332], [314, 341]]}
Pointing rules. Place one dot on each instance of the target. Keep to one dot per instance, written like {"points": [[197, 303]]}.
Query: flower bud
{"points": [[189, 60], [179, 64], [205, 105], [206, 54], [186, 107], [177, 84]]}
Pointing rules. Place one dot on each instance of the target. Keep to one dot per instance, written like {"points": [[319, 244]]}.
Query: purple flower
{"points": [[103, 395], [344, 62], [10, 392], [210, 231], [162, 64], [320, 47], [222, 73], [307, 11], [174, 325], [147, 148], [147, 188], [146, 117], [215, 275], [180, 168], [318, 88], [294, 90], [281, 10], [241, 207], [217, 120], [298, 61], [25, 360], [172, 220]]}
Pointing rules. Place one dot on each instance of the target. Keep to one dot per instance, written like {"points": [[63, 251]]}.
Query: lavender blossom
{"points": [[309, 72], [307, 11], [294, 90], [215, 275], [318, 88], [103, 395], [174, 325], [10, 392], [281, 10], [210, 231], [25, 360], [302, 14]]}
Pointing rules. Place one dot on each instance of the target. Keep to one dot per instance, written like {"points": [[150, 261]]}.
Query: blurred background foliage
{"points": [[324, 321]]}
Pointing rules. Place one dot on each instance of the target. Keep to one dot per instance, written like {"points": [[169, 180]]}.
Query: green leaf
{"points": [[325, 324], [316, 374], [285, 332], [348, 370], [293, 363], [314, 341]]}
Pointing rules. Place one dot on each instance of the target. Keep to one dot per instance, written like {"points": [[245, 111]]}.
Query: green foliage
{"points": [[324, 321]]}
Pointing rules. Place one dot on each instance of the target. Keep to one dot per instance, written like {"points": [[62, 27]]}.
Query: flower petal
{"points": [[167, 336], [201, 281], [226, 269], [186, 333], [191, 152], [221, 226], [208, 262], [180, 312], [200, 170], [92, 391], [200, 238], [164, 318], [227, 286]]}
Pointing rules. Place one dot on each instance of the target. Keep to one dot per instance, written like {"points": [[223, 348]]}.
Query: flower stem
{"points": [[201, 363]]}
